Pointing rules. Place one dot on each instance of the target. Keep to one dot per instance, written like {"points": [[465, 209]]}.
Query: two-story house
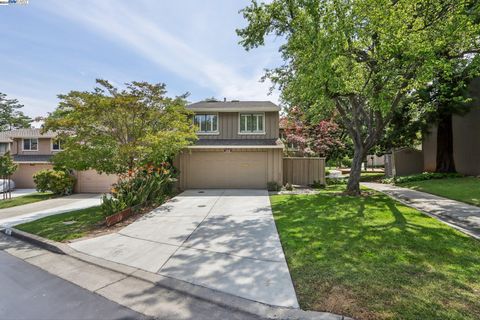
{"points": [[32, 151], [238, 146]]}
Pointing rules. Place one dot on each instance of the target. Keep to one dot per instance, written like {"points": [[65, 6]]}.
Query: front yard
{"points": [[373, 258], [29, 198], [66, 226], [465, 189]]}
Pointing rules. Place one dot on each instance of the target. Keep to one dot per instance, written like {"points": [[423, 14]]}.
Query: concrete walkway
{"points": [[20, 214], [459, 215], [224, 240]]}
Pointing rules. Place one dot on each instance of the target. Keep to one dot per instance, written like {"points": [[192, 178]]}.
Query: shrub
{"points": [[421, 177], [288, 186], [273, 186], [318, 185], [147, 185], [347, 162], [327, 172], [335, 181], [57, 181]]}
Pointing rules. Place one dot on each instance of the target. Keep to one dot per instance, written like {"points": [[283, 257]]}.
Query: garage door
{"points": [[90, 181], [23, 176], [227, 170]]}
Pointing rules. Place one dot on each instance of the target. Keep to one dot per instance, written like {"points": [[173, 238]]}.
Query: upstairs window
{"points": [[30, 144], [206, 123], [56, 146], [252, 123]]}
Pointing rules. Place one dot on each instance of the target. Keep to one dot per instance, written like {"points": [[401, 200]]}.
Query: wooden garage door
{"points": [[227, 170], [90, 181]]}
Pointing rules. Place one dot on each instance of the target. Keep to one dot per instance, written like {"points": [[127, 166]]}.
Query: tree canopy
{"points": [[116, 130], [360, 59], [10, 115]]}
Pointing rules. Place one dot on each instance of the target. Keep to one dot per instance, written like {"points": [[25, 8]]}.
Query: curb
{"points": [[222, 299]]}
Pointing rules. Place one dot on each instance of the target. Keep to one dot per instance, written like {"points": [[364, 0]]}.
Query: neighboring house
{"points": [[238, 146], [466, 150], [32, 151]]}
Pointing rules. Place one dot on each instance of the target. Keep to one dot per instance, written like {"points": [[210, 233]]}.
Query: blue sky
{"points": [[53, 46]]}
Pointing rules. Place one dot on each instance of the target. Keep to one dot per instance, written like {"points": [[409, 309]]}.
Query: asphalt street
{"points": [[27, 292]]}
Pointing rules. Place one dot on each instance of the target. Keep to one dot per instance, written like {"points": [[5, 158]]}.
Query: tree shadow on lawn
{"points": [[373, 258]]}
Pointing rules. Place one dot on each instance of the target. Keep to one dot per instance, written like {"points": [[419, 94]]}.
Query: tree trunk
{"points": [[353, 185], [445, 161]]}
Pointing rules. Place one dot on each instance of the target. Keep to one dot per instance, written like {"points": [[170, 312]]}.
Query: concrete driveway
{"points": [[10, 217], [221, 239]]}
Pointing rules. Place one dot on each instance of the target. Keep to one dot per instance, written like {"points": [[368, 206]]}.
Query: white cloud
{"points": [[125, 24]]}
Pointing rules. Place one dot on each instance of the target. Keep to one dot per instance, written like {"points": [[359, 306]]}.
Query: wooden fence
{"points": [[303, 171]]}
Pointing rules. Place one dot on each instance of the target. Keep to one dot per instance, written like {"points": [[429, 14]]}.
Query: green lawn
{"points": [[462, 189], [30, 198], [373, 258], [55, 228]]}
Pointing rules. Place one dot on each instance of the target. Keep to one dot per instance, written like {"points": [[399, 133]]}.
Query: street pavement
{"points": [[28, 292]]}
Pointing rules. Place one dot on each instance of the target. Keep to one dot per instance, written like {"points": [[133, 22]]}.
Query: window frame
{"points": [[23, 144], [59, 145], [210, 132], [258, 132]]}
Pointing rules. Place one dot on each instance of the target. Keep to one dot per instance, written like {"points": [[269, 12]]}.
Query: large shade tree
{"points": [[116, 130], [361, 58], [11, 117]]}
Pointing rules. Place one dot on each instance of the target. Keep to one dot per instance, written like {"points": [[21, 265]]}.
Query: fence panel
{"points": [[303, 171]]}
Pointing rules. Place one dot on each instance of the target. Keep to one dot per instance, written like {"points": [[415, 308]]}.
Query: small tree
{"points": [[115, 131], [7, 168]]}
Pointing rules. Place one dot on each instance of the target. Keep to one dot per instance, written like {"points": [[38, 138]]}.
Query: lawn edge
{"points": [[199, 292]]}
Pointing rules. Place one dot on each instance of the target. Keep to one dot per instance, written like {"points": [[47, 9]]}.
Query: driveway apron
{"points": [[220, 239]]}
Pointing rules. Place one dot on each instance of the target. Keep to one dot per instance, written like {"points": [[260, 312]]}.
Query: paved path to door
{"points": [[457, 214], [221, 239], [20, 214]]}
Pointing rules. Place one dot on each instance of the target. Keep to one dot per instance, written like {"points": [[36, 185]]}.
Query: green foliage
{"points": [[57, 181], [361, 58], [421, 177], [113, 130], [273, 186], [7, 166], [148, 185], [26, 199], [318, 185], [336, 181], [10, 115]]}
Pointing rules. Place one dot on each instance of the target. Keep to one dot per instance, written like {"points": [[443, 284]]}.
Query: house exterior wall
{"points": [[228, 127], [44, 147], [408, 161], [269, 162], [466, 144], [23, 176]]}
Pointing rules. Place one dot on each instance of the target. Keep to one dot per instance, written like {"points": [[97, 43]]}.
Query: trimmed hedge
{"points": [[422, 177]]}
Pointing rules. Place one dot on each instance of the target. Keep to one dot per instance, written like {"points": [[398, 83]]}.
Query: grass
{"points": [[54, 227], [29, 198], [462, 189], [373, 258]]}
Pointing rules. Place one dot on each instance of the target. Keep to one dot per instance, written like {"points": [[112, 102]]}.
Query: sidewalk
{"points": [[459, 215], [148, 293]]}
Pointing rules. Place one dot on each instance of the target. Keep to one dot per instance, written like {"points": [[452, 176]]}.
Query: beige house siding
{"points": [[408, 161], [228, 125], [44, 147], [237, 168], [303, 171], [23, 177], [466, 145]]}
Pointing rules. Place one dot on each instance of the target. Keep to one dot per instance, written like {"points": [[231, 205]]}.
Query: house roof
{"points": [[233, 106], [8, 136], [32, 158], [237, 143]]}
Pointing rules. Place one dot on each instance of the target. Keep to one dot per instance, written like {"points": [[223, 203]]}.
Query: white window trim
{"points": [[30, 150], [251, 133], [208, 133], [55, 150]]}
